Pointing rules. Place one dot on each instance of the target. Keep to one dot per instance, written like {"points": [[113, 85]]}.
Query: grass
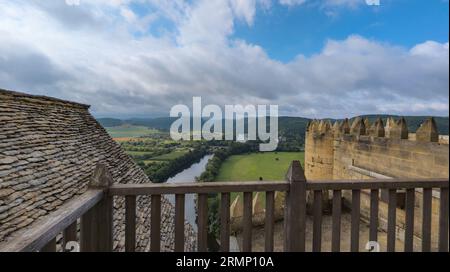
{"points": [[137, 153], [250, 167], [170, 156], [129, 131]]}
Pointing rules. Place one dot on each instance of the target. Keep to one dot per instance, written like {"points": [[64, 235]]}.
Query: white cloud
{"points": [[292, 2], [104, 63]]}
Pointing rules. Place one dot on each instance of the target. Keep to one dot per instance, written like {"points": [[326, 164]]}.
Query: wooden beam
{"points": [[70, 235], [261, 186], [426, 220], [356, 205], [296, 209], [155, 223], [409, 220], [317, 222], [202, 222], [364, 184], [179, 222], [374, 202], [225, 222], [270, 221], [443, 221], [197, 188], [130, 223], [336, 218], [50, 246], [392, 219], [247, 223], [49, 226]]}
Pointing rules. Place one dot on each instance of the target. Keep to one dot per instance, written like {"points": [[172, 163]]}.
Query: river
{"points": [[188, 175]]}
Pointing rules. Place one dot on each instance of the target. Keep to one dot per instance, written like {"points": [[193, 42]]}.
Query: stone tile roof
{"points": [[48, 150]]}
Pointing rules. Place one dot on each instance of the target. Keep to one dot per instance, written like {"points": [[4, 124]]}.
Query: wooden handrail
{"points": [[197, 188], [403, 183], [260, 186], [56, 222]]}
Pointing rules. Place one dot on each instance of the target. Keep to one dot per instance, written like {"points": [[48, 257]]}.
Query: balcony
{"points": [[95, 211]]}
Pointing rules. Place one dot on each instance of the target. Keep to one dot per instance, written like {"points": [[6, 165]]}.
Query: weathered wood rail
{"points": [[95, 210]]}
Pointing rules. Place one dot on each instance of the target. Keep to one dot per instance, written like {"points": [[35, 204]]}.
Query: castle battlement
{"points": [[364, 150]]}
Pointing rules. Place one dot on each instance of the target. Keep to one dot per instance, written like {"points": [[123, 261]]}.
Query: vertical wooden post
{"points": [[426, 219], [202, 223], [69, 234], [295, 209], [155, 223], [373, 233], [269, 222], [336, 218], [130, 223], [443, 221], [247, 223], [97, 223], [225, 222], [356, 217], [50, 246], [179, 222]]}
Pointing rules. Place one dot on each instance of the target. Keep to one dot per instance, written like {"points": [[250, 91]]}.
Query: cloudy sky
{"points": [[314, 58]]}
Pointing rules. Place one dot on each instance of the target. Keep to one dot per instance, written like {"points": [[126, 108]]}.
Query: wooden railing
{"points": [[95, 210]]}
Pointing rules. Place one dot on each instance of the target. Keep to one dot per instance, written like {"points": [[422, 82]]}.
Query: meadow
{"points": [[130, 131], [250, 167]]}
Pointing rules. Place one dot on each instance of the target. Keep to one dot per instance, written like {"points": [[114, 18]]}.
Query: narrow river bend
{"points": [[188, 175]]}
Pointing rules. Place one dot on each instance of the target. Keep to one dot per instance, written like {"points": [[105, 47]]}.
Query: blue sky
{"points": [[284, 32], [312, 58]]}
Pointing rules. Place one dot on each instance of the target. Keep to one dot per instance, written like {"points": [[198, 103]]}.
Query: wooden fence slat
{"points": [[317, 222], [179, 222], [336, 224], [356, 206], [270, 220], [392, 214], [88, 231], [50, 246], [130, 223], [155, 223], [202, 222], [225, 222], [443, 221], [409, 220], [426, 217], [247, 223], [295, 212], [374, 202], [70, 234]]}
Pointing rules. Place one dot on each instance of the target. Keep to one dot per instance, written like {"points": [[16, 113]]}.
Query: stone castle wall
{"points": [[366, 151]]}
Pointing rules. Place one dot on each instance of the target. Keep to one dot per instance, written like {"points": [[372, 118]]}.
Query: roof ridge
{"points": [[42, 98]]}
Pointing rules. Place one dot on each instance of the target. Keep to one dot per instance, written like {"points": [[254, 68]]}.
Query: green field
{"points": [[129, 131], [253, 166], [170, 156], [137, 153]]}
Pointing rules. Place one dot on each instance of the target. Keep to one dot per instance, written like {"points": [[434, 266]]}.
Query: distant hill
{"points": [[288, 126]]}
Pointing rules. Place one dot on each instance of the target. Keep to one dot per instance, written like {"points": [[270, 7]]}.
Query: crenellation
{"points": [[345, 127], [377, 129], [399, 130], [427, 132], [367, 125]]}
